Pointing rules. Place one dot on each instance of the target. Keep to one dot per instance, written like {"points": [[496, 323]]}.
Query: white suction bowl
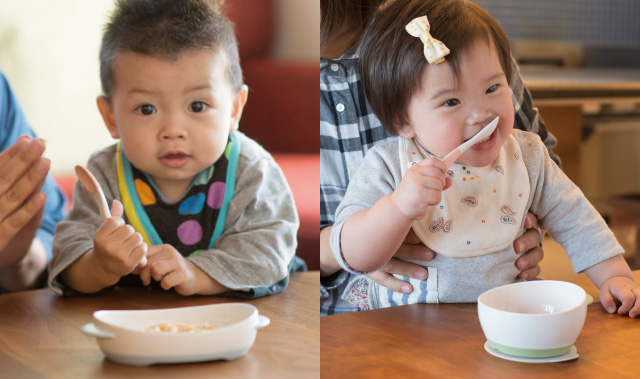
{"points": [[536, 319], [122, 337]]}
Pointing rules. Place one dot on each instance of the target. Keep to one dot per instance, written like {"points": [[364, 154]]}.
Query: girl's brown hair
{"points": [[392, 61], [345, 17]]}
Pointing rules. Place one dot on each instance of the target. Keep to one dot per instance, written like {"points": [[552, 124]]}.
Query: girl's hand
{"points": [[420, 188], [621, 291], [117, 247], [166, 265]]}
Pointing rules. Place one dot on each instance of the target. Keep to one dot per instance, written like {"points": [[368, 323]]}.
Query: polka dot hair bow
{"points": [[434, 50]]}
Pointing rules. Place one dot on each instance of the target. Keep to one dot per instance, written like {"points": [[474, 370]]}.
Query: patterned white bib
{"points": [[482, 211]]}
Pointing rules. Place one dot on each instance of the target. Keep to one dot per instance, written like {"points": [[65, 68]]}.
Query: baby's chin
{"points": [[479, 161]]}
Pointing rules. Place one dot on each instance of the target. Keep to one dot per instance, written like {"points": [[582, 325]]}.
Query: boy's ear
{"points": [[107, 115], [238, 105]]}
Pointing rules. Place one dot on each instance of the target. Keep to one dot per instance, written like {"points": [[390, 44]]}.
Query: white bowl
{"points": [[122, 337], [536, 319]]}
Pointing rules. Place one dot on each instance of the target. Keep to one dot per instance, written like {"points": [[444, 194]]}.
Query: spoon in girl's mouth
{"points": [[91, 184], [458, 151]]}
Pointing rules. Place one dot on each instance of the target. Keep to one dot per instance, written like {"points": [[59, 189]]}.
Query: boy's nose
{"points": [[172, 130]]}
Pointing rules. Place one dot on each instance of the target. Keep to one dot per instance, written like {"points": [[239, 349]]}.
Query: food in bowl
{"points": [[169, 327], [536, 319]]}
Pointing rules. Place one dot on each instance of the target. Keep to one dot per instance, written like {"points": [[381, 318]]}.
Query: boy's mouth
{"points": [[175, 159]]}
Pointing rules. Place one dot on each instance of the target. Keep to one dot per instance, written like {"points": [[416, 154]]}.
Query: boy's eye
{"points": [[146, 109], [197, 106], [492, 89], [451, 102]]}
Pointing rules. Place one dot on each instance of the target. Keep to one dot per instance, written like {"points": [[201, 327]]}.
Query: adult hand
{"points": [[23, 171], [412, 248], [529, 244]]}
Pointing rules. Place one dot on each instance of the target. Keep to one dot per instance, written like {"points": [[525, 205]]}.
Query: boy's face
{"points": [[445, 112], [173, 118]]}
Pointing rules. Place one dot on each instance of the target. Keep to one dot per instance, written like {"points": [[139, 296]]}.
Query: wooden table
{"points": [[446, 340], [40, 335]]}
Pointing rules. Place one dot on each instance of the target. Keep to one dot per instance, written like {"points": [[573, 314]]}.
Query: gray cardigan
{"points": [[259, 238], [559, 204]]}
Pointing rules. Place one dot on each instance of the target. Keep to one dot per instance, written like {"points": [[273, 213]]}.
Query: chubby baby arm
{"points": [[617, 286], [117, 250], [621, 290], [166, 265], [372, 236]]}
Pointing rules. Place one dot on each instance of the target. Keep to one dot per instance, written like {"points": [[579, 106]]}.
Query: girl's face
{"points": [[447, 112]]}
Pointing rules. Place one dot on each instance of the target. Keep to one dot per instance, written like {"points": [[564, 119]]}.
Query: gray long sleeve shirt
{"points": [[559, 204], [259, 238]]}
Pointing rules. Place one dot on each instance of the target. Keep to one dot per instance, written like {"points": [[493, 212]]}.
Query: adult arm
{"points": [[26, 223], [328, 263], [527, 118]]}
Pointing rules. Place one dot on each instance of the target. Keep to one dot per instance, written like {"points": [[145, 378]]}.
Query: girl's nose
{"points": [[480, 116]]}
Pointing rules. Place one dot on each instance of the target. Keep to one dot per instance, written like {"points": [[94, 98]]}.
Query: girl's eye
{"points": [[146, 109], [492, 89], [197, 106], [451, 102]]}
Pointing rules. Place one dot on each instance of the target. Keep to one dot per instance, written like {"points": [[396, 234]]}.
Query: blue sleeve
{"points": [[13, 124]]}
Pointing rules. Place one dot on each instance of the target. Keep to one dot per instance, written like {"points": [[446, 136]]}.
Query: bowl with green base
{"points": [[536, 319]]}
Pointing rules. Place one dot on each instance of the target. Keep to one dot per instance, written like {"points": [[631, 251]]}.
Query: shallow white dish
{"points": [[571, 354], [122, 338]]}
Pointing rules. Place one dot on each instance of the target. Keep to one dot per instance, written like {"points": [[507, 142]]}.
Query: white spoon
{"points": [[91, 184], [457, 152]]}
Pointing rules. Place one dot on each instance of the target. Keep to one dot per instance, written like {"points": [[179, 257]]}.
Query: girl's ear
{"points": [[107, 116], [238, 105], [405, 130]]}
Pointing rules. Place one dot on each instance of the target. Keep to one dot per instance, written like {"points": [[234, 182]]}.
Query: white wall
{"points": [[49, 53]]}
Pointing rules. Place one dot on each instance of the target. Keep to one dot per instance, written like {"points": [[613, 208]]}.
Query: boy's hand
{"points": [[620, 290], [117, 247], [420, 188], [166, 265]]}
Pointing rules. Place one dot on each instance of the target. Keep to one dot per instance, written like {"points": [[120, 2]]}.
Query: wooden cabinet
{"points": [[565, 122]]}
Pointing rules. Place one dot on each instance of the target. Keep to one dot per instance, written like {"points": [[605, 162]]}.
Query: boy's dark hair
{"points": [[341, 17], [165, 28], [392, 61]]}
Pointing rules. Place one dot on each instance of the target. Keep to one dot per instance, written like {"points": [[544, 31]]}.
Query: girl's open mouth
{"points": [[486, 143]]}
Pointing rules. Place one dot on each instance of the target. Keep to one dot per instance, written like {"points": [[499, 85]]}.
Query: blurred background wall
{"points": [[49, 53], [606, 32]]}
